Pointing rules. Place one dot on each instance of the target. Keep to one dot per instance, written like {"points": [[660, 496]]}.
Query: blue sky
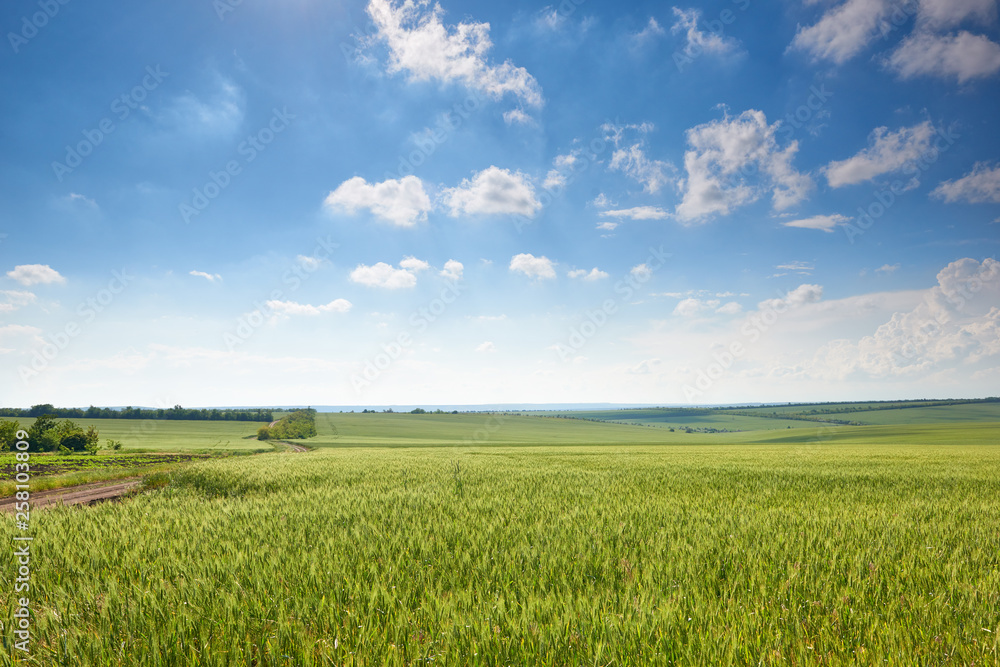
{"points": [[351, 203]]}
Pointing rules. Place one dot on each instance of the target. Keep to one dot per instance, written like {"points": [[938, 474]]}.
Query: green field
{"points": [[168, 435], [703, 555], [479, 539]]}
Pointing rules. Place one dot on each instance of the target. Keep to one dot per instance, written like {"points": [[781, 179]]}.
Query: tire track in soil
{"points": [[83, 494]]}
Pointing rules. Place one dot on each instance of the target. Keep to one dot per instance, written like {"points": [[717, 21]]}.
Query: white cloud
{"points": [[615, 132], [798, 267], [641, 272], [730, 308], [887, 152], [533, 267], [493, 191], [601, 201], [608, 226], [292, 308], [981, 185], [824, 223], [210, 277], [387, 276], [75, 198], [593, 274], [486, 346], [554, 180], [421, 45], [651, 31], [453, 270], [799, 296], [633, 162], [947, 13], [550, 19], [956, 324], [402, 202], [638, 213], [14, 299], [35, 274], [843, 31], [517, 116], [698, 42], [887, 268], [308, 263], [413, 264], [690, 307], [220, 113], [963, 56], [721, 151]]}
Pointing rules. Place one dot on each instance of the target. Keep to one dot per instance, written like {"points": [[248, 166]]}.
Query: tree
{"points": [[8, 434], [263, 433], [42, 435]]}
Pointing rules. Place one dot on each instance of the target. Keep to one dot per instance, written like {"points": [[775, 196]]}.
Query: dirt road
{"points": [[77, 495]]}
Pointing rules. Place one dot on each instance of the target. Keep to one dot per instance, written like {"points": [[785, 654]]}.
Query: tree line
{"points": [[176, 412]]}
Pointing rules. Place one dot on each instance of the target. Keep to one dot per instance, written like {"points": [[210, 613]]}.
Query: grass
{"points": [[612, 555], [166, 435], [55, 471]]}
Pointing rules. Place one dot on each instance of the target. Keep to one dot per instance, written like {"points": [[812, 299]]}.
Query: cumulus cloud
{"points": [[493, 191], [608, 226], [413, 264], [593, 274], [845, 30], [533, 267], [35, 274], [956, 324], [981, 185], [887, 268], [887, 152], [486, 346], [721, 152], [730, 308], [641, 272], [452, 270], [210, 277], [11, 300], [422, 46], [387, 276], [402, 202], [292, 308], [824, 223], [962, 56]]}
